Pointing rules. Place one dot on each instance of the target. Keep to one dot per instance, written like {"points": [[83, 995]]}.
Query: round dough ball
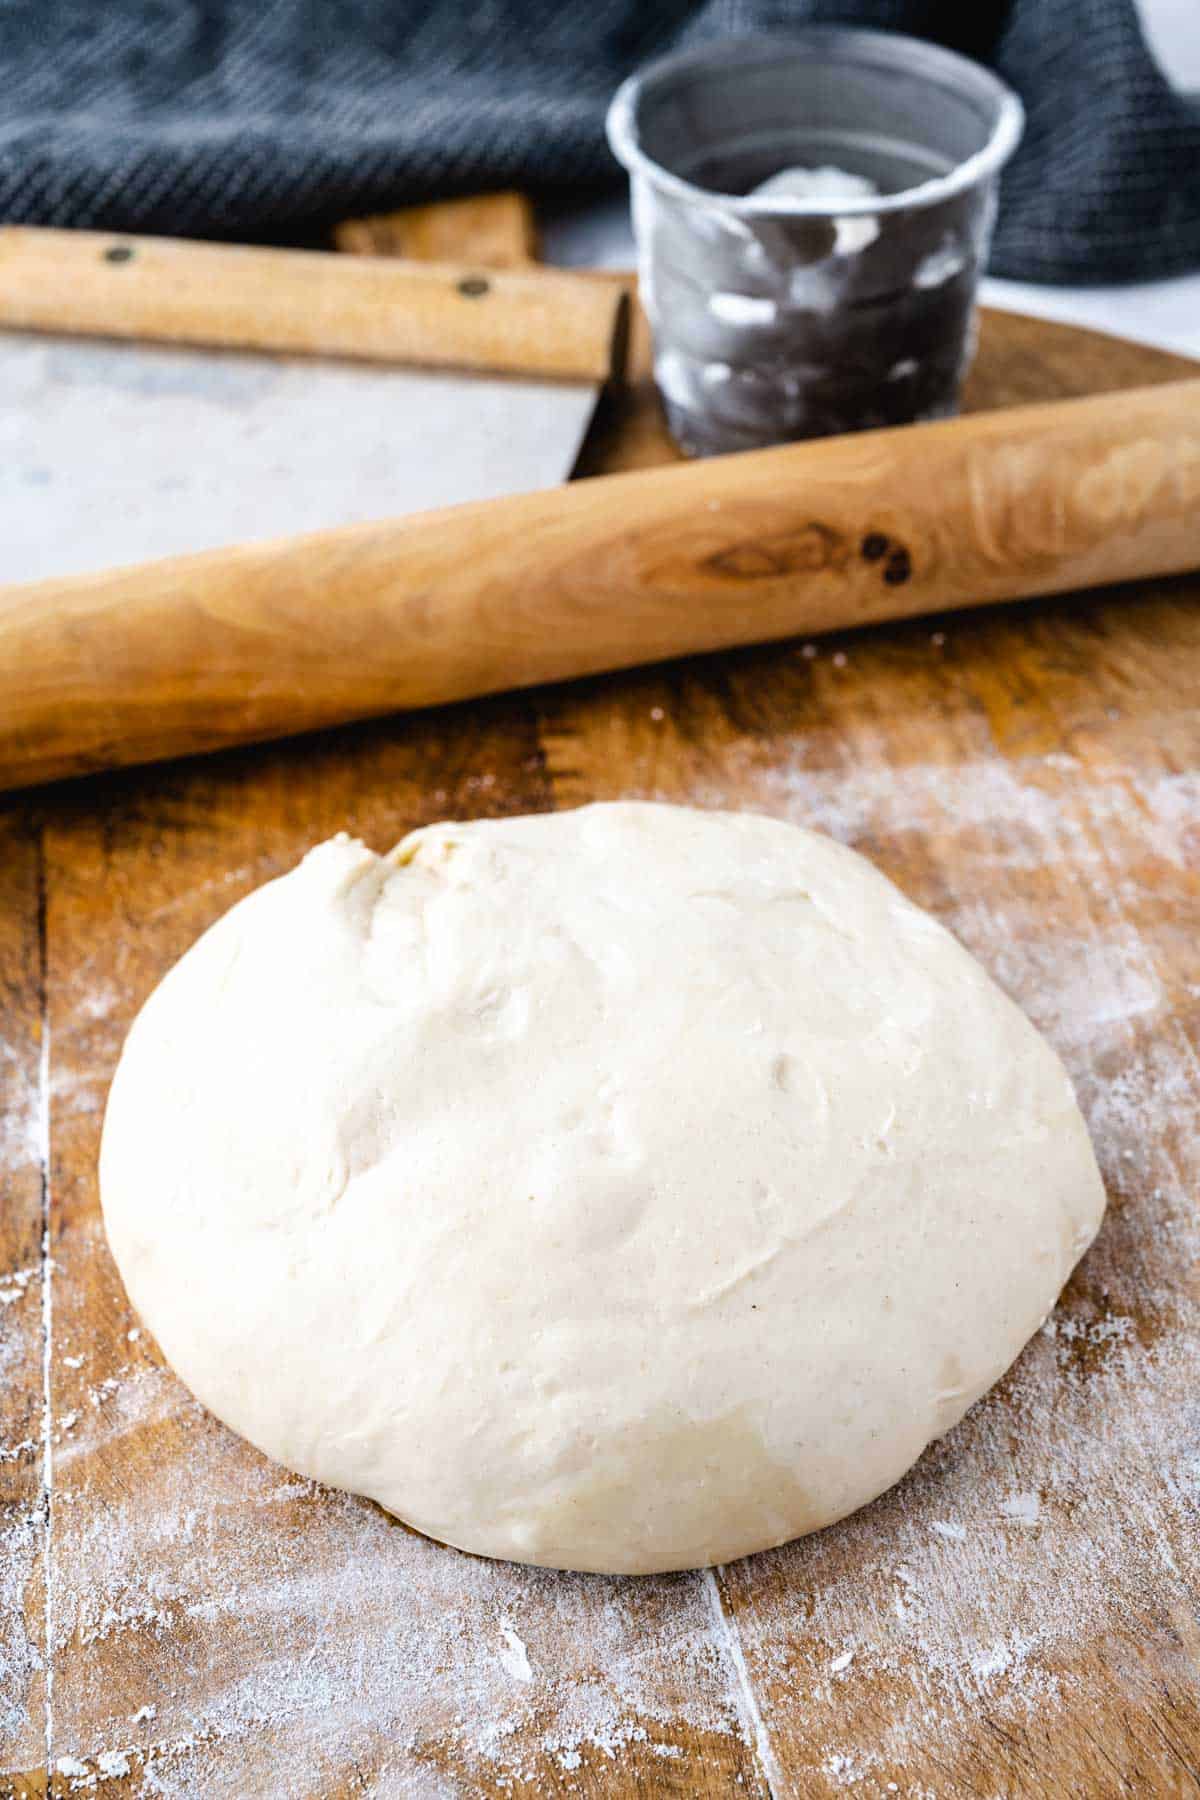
{"points": [[625, 1189]]}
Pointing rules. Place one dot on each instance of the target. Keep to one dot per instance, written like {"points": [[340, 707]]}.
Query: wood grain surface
{"points": [[521, 320], [1019, 1617], [497, 231], [261, 640]]}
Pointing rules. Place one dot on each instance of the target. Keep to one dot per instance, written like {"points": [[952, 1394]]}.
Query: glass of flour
{"points": [[813, 213]]}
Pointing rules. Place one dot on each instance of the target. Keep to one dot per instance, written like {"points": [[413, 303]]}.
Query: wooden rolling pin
{"points": [[268, 639], [527, 321]]}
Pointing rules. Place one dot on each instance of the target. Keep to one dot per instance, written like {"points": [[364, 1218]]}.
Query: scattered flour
{"points": [[1023, 1509], [14, 1285], [1067, 1504], [846, 1768], [301, 1633], [513, 1655]]}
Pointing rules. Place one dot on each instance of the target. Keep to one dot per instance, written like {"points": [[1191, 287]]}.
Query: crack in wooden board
{"points": [[22, 1337]]}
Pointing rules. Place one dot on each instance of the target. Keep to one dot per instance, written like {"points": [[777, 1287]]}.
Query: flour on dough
{"points": [[831, 186], [625, 1189]]}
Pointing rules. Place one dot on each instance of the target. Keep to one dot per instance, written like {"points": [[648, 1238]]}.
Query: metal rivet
{"points": [[472, 287], [119, 253]]}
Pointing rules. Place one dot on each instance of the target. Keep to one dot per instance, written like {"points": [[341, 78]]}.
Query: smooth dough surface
{"points": [[626, 1189]]}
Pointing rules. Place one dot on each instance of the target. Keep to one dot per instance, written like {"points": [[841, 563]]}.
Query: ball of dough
{"points": [[624, 1189]]}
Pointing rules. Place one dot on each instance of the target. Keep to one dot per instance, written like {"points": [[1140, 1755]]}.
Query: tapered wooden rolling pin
{"points": [[527, 321], [268, 639]]}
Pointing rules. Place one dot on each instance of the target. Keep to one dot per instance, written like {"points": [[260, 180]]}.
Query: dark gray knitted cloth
{"points": [[271, 119]]}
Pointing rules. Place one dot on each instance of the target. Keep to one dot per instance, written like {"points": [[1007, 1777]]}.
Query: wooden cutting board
{"points": [[179, 1617]]}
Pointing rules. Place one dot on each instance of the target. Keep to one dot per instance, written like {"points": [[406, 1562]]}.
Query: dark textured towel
{"points": [[271, 119]]}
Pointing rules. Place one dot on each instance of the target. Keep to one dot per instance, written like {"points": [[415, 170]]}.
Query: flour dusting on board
{"points": [[356, 1640], [251, 1612], [22, 1517], [512, 1653], [20, 1116], [985, 1583]]}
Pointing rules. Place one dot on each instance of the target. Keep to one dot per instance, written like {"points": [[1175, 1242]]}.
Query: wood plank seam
{"points": [[754, 1729], [47, 1291]]}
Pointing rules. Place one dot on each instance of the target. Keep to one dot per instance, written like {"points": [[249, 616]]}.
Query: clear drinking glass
{"points": [[779, 317]]}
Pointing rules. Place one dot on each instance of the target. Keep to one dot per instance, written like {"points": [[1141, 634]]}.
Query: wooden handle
{"points": [[230, 646], [495, 231], [529, 321]]}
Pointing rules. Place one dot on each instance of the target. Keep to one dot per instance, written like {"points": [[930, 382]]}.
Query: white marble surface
{"points": [[1166, 313]]}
